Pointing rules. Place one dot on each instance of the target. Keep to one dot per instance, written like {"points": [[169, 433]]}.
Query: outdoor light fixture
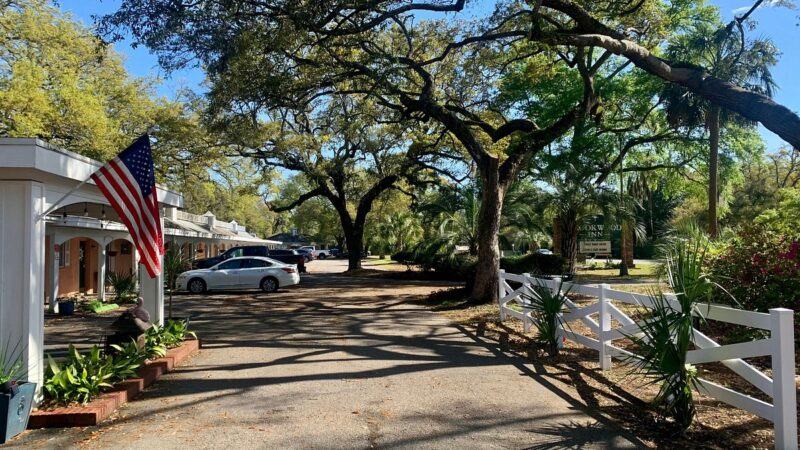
{"points": [[64, 216], [85, 210], [103, 212]]}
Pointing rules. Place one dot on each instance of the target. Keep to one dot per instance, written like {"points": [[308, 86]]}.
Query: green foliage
{"points": [[668, 330], [59, 82], [663, 360], [126, 360], [546, 308], [785, 218], [124, 285], [80, 379], [759, 267], [12, 367], [534, 263], [159, 339]]}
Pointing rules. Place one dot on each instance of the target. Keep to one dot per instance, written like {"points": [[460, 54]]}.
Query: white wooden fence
{"points": [[602, 315]]}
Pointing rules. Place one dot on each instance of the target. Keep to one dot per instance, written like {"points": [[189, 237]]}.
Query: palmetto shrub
{"points": [[124, 285], [667, 333], [546, 307]]}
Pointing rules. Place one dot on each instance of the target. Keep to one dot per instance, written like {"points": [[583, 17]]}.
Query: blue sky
{"points": [[777, 24]]}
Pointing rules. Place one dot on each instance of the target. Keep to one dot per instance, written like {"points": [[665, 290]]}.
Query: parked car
{"points": [[308, 254], [335, 252], [283, 255], [543, 251], [249, 272], [318, 253], [289, 256]]}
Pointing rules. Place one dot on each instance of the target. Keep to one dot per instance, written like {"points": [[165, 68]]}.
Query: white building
{"points": [[73, 247]]}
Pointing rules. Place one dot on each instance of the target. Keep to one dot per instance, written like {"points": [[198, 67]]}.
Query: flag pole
{"points": [[64, 197]]}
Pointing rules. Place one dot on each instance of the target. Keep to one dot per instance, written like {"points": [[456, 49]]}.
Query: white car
{"points": [[247, 272], [318, 254]]}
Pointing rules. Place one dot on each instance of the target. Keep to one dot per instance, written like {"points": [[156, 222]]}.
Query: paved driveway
{"points": [[340, 363]]}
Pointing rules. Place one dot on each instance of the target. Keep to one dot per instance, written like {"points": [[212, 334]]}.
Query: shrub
{"points": [[159, 339], [124, 285], [403, 256], [760, 268], [456, 268], [12, 368], [668, 333], [80, 379], [534, 263], [546, 307]]}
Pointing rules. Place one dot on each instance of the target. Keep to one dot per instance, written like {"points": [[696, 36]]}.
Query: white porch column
{"points": [[152, 291], [22, 264], [101, 270], [135, 262], [54, 269]]}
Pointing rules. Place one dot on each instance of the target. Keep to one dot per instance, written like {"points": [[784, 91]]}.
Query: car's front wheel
{"points": [[323, 256], [196, 286], [269, 284]]}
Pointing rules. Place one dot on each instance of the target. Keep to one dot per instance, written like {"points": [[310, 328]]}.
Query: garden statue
{"points": [[130, 325]]}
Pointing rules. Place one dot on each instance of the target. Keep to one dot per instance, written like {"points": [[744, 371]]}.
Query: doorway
{"points": [[82, 266]]}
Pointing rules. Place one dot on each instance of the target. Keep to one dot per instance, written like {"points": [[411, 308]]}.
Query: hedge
{"points": [[534, 263]]}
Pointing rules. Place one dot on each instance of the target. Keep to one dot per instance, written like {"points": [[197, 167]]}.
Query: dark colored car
{"points": [[284, 256]]}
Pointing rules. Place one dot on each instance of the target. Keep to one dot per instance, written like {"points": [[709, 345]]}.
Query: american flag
{"points": [[129, 183]]}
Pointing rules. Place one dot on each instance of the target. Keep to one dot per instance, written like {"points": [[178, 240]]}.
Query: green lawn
{"points": [[640, 271]]}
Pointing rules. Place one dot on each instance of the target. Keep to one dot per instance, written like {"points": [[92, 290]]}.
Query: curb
{"points": [[103, 406]]}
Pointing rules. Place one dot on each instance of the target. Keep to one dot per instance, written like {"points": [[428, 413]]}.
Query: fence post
{"points": [[560, 335], [526, 320], [784, 394], [502, 293], [605, 327]]}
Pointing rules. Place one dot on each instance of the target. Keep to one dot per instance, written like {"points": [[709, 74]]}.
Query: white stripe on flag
{"points": [[133, 223], [152, 227]]}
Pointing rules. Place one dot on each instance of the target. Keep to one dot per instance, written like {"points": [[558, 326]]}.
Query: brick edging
{"points": [[100, 408]]}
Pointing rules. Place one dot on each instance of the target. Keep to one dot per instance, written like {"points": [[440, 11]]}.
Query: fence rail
{"points": [[608, 323]]}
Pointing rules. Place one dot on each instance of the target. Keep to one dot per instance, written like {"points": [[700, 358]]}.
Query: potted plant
{"points": [[66, 306], [16, 396]]}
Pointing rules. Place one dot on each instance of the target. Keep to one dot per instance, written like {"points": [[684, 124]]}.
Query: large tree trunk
{"points": [[354, 236], [713, 170], [486, 285]]}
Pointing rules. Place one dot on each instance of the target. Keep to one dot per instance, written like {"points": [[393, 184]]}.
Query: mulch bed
{"points": [[619, 395]]}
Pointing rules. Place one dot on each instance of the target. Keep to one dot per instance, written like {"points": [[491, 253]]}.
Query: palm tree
{"points": [[454, 212], [725, 53], [572, 200], [523, 223]]}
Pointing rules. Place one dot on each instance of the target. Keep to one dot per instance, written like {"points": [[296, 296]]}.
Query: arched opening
{"points": [[78, 266]]}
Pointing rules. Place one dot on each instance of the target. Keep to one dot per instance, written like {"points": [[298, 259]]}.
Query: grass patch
{"points": [[640, 271]]}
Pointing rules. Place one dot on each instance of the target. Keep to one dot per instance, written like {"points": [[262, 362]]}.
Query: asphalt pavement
{"points": [[341, 363]]}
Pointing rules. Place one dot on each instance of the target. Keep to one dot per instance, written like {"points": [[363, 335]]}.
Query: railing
{"points": [[602, 315], [194, 218]]}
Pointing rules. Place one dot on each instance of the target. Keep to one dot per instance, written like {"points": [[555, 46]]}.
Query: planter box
{"points": [[100, 408], [14, 411]]}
